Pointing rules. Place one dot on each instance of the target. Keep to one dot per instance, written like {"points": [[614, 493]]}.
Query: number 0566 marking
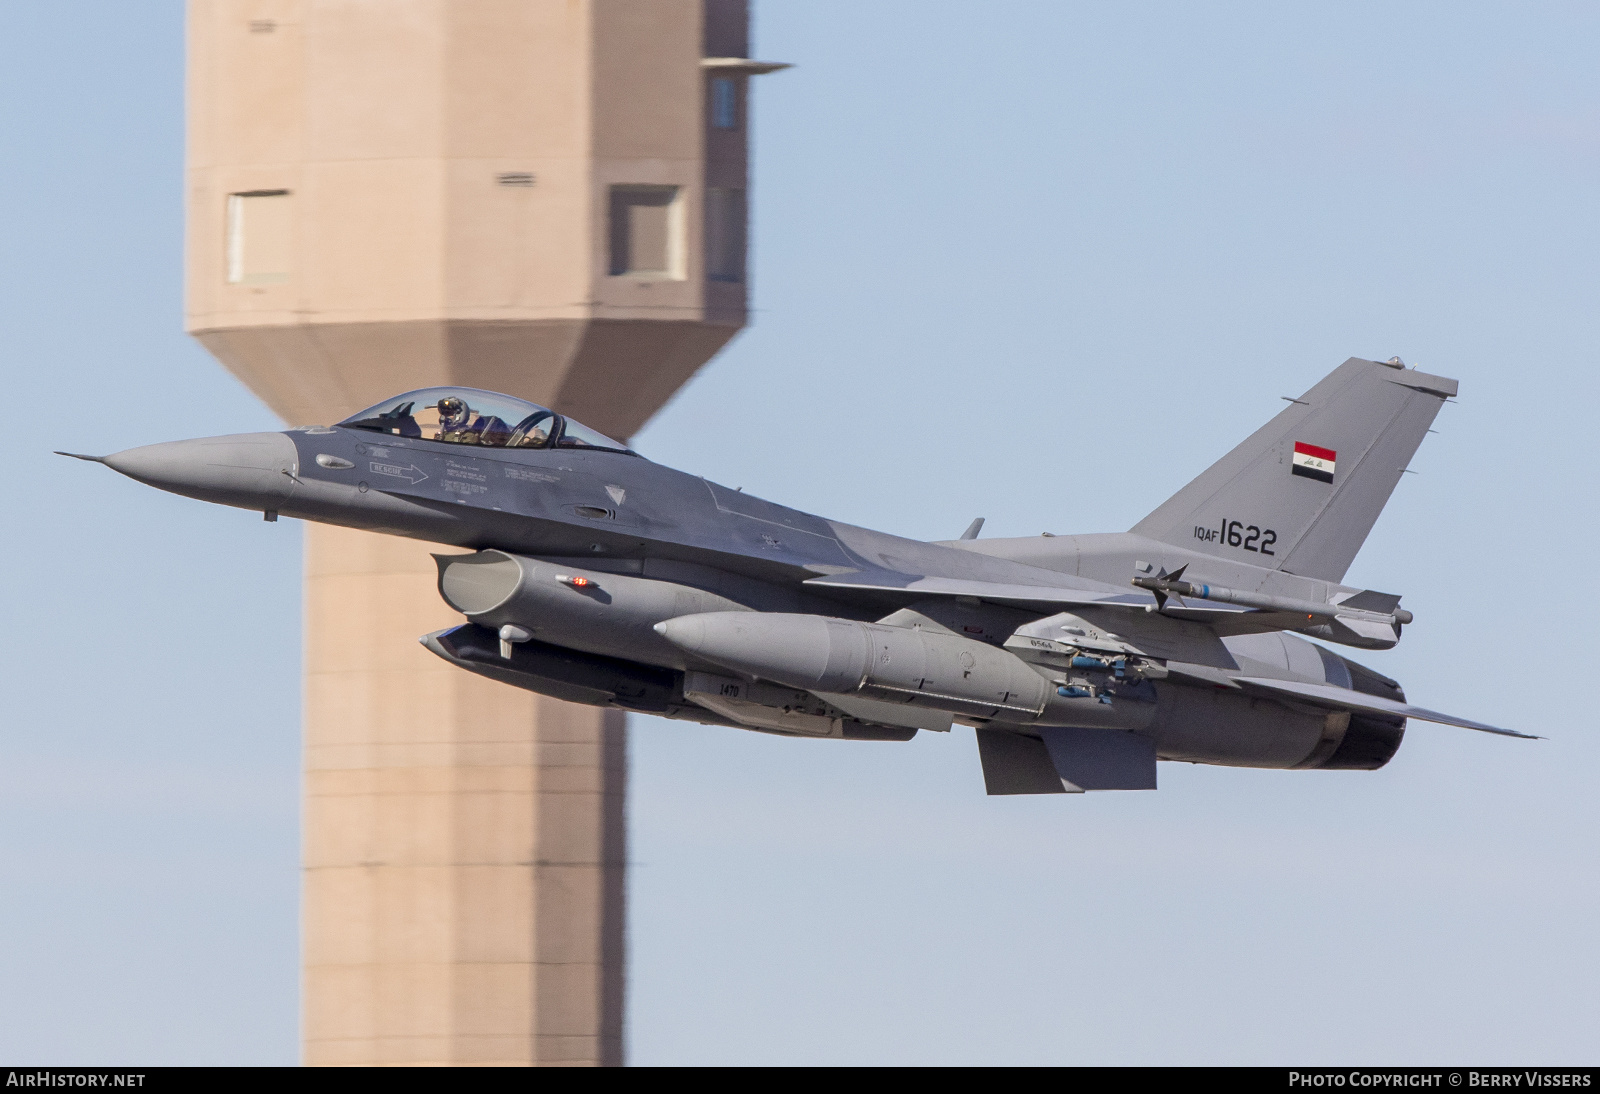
{"points": [[1238, 534]]}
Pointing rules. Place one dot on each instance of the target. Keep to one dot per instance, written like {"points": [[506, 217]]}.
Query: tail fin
{"points": [[1304, 490]]}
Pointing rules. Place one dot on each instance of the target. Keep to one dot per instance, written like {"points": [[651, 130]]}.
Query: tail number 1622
{"points": [[1236, 533]]}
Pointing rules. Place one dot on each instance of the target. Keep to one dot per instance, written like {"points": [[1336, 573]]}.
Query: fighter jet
{"points": [[587, 572]]}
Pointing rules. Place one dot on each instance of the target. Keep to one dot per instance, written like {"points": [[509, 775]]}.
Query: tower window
{"points": [[646, 232], [259, 237], [725, 234], [724, 102]]}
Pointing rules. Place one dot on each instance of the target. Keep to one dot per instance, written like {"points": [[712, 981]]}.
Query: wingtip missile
{"points": [[1165, 585]]}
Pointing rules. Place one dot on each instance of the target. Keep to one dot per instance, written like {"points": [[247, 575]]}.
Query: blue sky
{"points": [[1035, 262]]}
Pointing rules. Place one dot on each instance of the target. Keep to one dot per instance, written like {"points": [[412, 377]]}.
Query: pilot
{"points": [[454, 414]]}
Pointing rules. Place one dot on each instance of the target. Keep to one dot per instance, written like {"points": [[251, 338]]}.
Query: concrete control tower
{"points": [[541, 197]]}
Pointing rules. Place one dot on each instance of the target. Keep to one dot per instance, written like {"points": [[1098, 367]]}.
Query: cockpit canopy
{"points": [[466, 415]]}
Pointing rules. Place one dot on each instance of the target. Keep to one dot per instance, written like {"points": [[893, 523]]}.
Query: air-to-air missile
{"points": [[1365, 607], [588, 573]]}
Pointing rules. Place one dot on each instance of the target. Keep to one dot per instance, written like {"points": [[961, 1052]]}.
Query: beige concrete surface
{"points": [[464, 840], [445, 167], [391, 194]]}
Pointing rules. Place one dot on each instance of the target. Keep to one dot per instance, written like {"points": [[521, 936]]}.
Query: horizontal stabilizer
{"points": [[1345, 699]]}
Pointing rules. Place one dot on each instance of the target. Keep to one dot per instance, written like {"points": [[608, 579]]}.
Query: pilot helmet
{"points": [[453, 412]]}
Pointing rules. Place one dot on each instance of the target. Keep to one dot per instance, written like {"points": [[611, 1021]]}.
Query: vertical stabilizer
{"points": [[1304, 490]]}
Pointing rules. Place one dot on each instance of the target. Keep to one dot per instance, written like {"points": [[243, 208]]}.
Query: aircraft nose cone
{"points": [[250, 470]]}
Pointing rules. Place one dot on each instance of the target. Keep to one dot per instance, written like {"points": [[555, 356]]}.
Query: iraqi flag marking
{"points": [[1313, 462]]}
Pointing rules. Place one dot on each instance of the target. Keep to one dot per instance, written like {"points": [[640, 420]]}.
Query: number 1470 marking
{"points": [[1238, 534]]}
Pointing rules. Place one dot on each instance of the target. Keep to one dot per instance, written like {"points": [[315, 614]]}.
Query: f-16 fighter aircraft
{"points": [[596, 576]]}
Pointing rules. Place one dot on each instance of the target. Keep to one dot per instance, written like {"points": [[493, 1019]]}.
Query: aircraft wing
{"points": [[1339, 698], [1223, 617], [916, 587]]}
